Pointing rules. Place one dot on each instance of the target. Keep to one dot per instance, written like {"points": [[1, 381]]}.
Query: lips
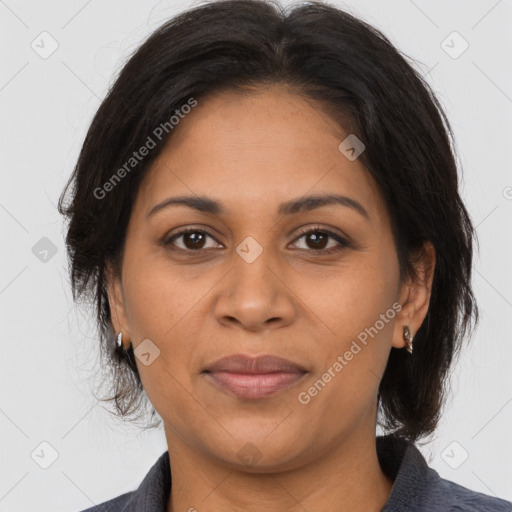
{"points": [[262, 364], [254, 377]]}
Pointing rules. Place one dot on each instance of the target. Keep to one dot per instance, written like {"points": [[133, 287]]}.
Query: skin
{"points": [[251, 152]]}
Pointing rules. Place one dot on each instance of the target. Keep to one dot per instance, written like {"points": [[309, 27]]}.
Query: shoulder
{"points": [[150, 496], [461, 499], [114, 505], [418, 487]]}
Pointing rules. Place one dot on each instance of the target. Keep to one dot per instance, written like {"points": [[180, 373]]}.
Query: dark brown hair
{"points": [[350, 68]]}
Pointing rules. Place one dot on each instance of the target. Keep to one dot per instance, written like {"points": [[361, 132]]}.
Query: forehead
{"points": [[256, 149]]}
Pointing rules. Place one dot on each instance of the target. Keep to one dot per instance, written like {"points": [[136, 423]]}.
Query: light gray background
{"points": [[48, 347]]}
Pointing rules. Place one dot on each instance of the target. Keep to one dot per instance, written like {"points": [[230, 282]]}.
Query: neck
{"points": [[346, 478]]}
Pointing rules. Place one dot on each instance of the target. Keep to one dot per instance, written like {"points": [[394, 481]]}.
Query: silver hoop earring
{"points": [[120, 340], [408, 338]]}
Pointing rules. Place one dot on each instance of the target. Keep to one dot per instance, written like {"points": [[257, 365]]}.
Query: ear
{"points": [[415, 296], [116, 301]]}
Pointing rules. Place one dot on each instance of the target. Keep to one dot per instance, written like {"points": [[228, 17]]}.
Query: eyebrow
{"points": [[207, 205]]}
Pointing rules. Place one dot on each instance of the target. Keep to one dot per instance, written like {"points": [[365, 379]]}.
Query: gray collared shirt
{"points": [[416, 487]]}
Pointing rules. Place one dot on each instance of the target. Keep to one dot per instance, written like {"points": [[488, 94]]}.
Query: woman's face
{"points": [[255, 285]]}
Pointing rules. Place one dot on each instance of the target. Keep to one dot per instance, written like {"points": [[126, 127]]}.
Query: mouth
{"points": [[254, 377]]}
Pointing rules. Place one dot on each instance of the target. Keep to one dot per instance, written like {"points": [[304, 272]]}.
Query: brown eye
{"points": [[318, 240], [192, 239]]}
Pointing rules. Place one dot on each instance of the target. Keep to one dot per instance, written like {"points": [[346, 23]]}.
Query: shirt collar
{"points": [[412, 477]]}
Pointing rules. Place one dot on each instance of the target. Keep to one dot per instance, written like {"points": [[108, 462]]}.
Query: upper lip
{"points": [[240, 363]]}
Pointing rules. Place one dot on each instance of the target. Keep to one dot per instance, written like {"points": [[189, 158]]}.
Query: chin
{"points": [[262, 450]]}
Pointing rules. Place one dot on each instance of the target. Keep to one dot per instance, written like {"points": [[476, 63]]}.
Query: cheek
{"points": [[358, 306], [347, 382], [158, 296], [159, 307], [350, 298]]}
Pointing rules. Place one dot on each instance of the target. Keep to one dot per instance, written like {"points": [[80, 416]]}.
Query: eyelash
{"points": [[343, 243]]}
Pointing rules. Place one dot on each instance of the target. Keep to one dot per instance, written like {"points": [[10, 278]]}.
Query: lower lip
{"points": [[257, 385]]}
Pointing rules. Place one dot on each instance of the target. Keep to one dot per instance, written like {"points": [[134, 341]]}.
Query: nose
{"points": [[254, 296]]}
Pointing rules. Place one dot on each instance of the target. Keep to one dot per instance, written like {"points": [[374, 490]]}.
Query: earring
{"points": [[408, 338], [120, 340]]}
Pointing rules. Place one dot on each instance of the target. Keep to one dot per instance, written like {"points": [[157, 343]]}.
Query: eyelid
{"points": [[317, 227]]}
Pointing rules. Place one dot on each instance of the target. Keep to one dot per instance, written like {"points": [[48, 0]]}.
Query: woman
{"points": [[266, 210]]}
